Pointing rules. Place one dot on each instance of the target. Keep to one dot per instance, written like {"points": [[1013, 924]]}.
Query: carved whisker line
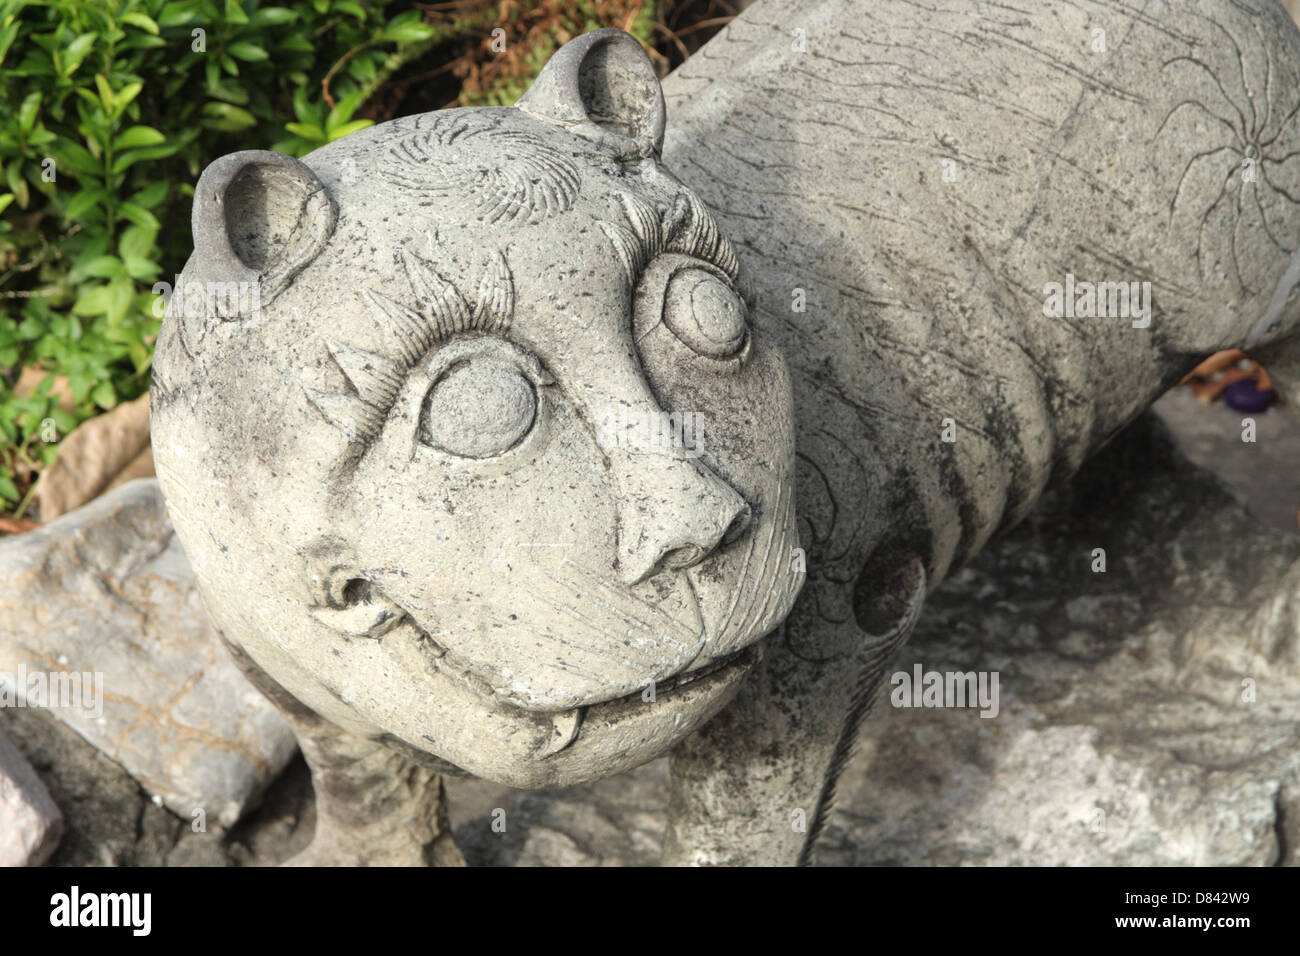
{"points": [[630, 607], [405, 336], [772, 562]]}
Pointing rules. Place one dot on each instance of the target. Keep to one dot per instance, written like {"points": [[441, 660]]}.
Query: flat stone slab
{"points": [[100, 618], [30, 823]]}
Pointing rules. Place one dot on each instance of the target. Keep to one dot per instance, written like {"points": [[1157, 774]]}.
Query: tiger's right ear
{"points": [[603, 86], [259, 218]]}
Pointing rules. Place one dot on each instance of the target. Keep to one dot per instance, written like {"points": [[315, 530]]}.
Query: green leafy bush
{"points": [[108, 111]]}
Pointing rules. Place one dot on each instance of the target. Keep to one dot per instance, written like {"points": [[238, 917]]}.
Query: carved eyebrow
{"points": [[405, 336], [687, 227]]}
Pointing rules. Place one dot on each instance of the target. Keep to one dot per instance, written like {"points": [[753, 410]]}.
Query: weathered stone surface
{"points": [[402, 463], [1119, 692], [30, 822], [106, 592]]}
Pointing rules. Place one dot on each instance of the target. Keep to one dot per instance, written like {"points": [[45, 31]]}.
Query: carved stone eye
{"points": [[705, 313], [478, 409]]}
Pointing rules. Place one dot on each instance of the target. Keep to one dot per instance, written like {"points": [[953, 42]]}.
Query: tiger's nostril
{"points": [[680, 558], [673, 514], [739, 525]]}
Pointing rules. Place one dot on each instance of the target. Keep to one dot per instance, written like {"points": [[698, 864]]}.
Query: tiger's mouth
{"points": [[707, 680], [686, 687]]}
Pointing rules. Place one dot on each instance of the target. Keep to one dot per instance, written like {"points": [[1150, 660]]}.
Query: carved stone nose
{"points": [[672, 514]]}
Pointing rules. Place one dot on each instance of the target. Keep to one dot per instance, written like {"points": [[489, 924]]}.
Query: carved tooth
{"points": [[564, 730]]}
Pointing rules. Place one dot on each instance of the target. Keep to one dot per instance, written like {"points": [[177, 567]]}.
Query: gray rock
{"points": [[99, 616], [618, 821], [1265, 472], [30, 823], [111, 821]]}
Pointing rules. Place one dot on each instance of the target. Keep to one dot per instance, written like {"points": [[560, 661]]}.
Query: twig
{"points": [[325, 83], [681, 47]]}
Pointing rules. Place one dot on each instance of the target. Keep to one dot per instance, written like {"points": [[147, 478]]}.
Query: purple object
{"points": [[1246, 396]]}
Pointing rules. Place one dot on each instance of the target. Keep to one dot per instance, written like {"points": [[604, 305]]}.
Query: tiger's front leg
{"points": [[755, 785]]}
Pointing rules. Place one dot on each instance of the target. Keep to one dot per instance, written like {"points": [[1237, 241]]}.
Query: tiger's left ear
{"points": [[259, 219], [603, 86]]}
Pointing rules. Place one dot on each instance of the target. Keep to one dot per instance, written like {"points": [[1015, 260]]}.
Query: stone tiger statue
{"points": [[531, 443]]}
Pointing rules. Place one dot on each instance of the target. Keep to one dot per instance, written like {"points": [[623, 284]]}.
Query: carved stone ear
{"points": [[603, 86], [259, 218]]}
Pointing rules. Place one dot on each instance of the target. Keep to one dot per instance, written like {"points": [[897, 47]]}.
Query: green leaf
{"points": [[104, 267], [142, 269], [162, 150], [93, 300], [249, 52], [125, 95], [273, 16], [84, 201], [76, 52], [309, 131], [407, 34], [137, 241], [8, 490], [103, 395], [229, 93], [226, 118], [5, 200], [302, 107], [27, 111], [89, 97], [140, 20], [343, 111], [106, 96], [138, 215], [347, 128], [78, 157], [17, 185], [235, 13], [138, 136], [7, 36], [152, 195], [141, 358], [120, 292], [143, 41], [176, 14]]}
